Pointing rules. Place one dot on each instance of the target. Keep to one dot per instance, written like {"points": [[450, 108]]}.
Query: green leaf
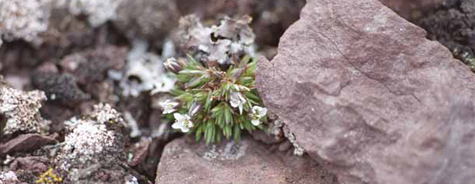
{"points": [[218, 135], [192, 60], [252, 95], [237, 133], [199, 133], [209, 132], [208, 101], [213, 132], [228, 131], [185, 97], [244, 61], [228, 114]]}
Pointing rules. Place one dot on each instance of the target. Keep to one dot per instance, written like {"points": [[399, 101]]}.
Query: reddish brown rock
{"points": [[362, 89], [25, 142], [248, 162]]}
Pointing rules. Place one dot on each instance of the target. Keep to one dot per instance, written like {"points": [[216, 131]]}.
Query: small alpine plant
{"points": [[215, 101]]}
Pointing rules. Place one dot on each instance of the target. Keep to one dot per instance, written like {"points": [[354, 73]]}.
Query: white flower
{"points": [[259, 111], [256, 122], [237, 100], [168, 106], [182, 122], [257, 114]]}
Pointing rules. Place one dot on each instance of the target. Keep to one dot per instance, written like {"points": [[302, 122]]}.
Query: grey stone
{"points": [[247, 162], [364, 91]]}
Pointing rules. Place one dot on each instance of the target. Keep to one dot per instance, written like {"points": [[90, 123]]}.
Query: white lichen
{"points": [[298, 150], [97, 11], [24, 19], [232, 151], [8, 177], [103, 113], [89, 136], [87, 139], [21, 109], [144, 72], [217, 43]]}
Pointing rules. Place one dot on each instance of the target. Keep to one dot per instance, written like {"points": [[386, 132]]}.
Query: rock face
{"points": [[247, 162], [25, 142], [363, 90]]}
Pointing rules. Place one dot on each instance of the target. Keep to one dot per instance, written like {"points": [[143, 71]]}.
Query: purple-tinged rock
{"points": [[364, 91]]}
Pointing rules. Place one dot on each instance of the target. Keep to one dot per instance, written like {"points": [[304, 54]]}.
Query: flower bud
{"points": [[171, 64], [195, 108]]}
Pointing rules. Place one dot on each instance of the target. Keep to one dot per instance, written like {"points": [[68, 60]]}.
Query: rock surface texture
{"points": [[247, 162], [364, 91]]}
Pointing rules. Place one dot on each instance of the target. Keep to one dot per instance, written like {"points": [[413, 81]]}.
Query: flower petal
{"points": [[190, 124], [186, 117], [178, 117], [185, 129], [177, 125], [256, 122]]}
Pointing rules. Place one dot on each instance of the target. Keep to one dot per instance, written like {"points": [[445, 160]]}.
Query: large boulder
{"points": [[364, 91], [247, 162]]}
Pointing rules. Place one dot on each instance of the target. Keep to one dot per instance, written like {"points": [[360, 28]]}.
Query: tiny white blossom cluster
{"points": [[22, 110], [24, 19], [217, 43], [144, 72], [8, 177], [98, 11]]}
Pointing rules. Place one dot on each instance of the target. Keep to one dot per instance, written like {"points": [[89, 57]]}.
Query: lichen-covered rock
{"points": [[93, 152], [247, 162], [91, 65], [144, 71], [97, 11], [25, 20], [147, 19], [59, 87], [21, 109], [364, 91], [9, 177], [216, 43], [270, 18]]}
